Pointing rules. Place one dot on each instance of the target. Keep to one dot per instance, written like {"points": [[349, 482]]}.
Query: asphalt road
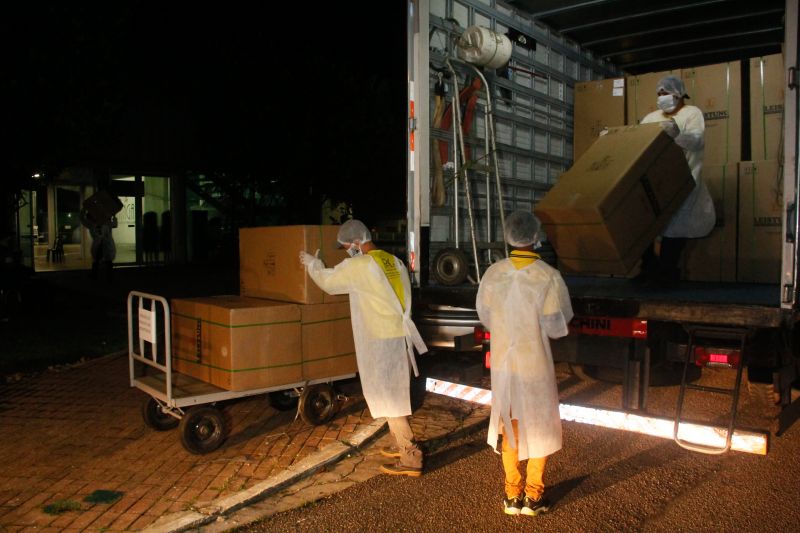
{"points": [[602, 480]]}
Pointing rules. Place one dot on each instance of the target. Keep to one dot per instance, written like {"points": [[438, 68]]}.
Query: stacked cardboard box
{"points": [[766, 107], [760, 221], [713, 258], [716, 90], [607, 209], [598, 105], [282, 330], [269, 266]]}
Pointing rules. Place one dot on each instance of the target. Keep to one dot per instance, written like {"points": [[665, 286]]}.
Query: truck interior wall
{"points": [[533, 103]]}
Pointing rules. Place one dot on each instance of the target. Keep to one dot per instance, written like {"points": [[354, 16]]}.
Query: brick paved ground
{"points": [[64, 435]]}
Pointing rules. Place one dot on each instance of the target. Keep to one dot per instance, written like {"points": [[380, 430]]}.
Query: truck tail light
{"points": [[730, 358], [481, 335]]}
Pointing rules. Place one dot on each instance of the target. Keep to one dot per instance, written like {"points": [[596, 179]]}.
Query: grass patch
{"points": [[103, 496], [61, 506]]}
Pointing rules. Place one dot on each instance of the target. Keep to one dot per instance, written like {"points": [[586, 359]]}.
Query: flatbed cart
{"points": [[179, 400]]}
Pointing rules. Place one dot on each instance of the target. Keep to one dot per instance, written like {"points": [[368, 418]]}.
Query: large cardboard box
{"points": [[760, 221], [716, 90], [327, 333], [713, 258], [641, 94], [766, 107], [269, 266], [237, 343], [598, 105], [607, 209]]}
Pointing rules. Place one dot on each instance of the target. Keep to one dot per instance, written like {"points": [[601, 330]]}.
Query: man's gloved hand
{"points": [[306, 258], [670, 128]]}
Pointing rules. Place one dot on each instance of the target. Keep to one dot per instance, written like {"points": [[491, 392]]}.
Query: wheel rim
{"points": [[205, 429], [318, 404]]}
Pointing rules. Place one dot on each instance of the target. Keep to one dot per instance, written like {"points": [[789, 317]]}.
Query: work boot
{"points": [[512, 505], [531, 507], [397, 469], [391, 452]]}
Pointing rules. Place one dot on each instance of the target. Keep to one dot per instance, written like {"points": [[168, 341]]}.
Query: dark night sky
{"points": [[315, 95]]}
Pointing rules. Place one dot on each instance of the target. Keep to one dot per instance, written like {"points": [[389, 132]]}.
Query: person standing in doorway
{"points": [[696, 216], [524, 302], [385, 337]]}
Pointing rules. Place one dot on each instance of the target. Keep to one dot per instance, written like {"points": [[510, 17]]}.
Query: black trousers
{"points": [[665, 265]]}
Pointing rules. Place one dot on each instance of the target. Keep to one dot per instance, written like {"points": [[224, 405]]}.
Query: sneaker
{"points": [[399, 470], [391, 452], [531, 507], [512, 505]]}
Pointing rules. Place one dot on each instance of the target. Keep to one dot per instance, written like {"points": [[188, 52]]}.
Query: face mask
{"points": [[354, 250], [667, 103]]}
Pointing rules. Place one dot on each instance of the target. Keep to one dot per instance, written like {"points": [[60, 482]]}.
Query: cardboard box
{"points": [[237, 343], [713, 258], [641, 97], [760, 221], [607, 209], [716, 90], [598, 105], [766, 107], [269, 266], [327, 336]]}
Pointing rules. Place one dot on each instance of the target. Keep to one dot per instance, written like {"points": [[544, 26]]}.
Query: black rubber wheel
{"points": [[283, 400], [202, 430], [450, 267], [155, 417], [318, 404]]}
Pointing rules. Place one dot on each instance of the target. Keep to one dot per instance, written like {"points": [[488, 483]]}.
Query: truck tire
{"points": [[450, 266]]}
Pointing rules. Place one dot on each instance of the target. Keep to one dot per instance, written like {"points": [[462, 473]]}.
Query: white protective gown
{"points": [[696, 216], [383, 332], [523, 309]]}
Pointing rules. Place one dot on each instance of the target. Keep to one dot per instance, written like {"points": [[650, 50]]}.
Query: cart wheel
{"points": [[317, 404], [155, 417], [202, 430], [282, 400], [450, 266]]}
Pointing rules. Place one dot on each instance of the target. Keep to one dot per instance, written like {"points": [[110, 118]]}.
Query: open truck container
{"points": [[741, 315]]}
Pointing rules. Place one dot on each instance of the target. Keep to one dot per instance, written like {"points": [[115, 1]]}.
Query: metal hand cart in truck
{"points": [[194, 406]]}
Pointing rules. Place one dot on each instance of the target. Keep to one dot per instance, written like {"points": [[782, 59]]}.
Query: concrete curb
{"points": [[331, 453]]}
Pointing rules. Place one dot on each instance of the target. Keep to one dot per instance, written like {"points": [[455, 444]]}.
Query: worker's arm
{"points": [[692, 134], [338, 280], [557, 311]]}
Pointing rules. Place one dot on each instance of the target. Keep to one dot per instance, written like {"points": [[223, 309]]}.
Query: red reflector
{"points": [[716, 357], [487, 360]]}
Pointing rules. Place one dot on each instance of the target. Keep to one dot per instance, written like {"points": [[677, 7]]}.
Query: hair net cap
{"points": [[672, 85], [521, 229], [352, 231]]}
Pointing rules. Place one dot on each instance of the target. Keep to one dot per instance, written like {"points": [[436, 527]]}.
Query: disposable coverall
{"points": [[696, 217], [524, 308], [384, 335]]}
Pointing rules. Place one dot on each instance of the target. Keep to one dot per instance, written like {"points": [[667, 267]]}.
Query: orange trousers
{"points": [[534, 475]]}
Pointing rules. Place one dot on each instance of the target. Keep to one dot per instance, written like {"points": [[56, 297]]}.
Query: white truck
{"points": [[518, 134]]}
